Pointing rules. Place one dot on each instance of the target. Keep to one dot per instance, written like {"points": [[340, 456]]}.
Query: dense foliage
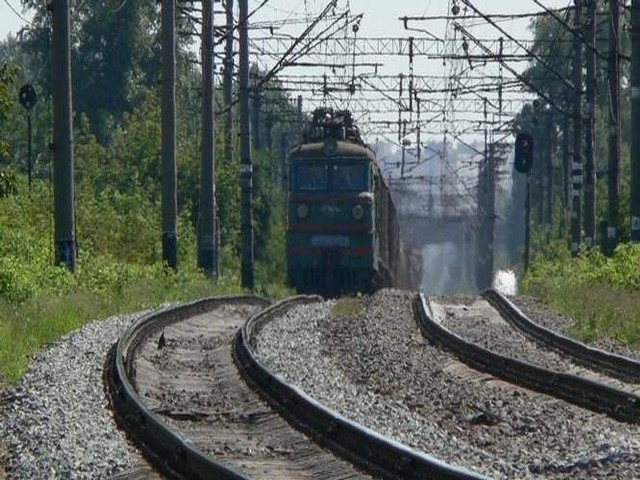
{"points": [[602, 294], [117, 142], [549, 120]]}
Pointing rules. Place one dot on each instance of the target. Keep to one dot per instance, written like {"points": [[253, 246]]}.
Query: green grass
{"points": [[601, 295], [117, 272], [27, 327], [347, 307], [599, 312]]}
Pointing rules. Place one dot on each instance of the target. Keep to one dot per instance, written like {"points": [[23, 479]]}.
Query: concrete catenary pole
{"points": [[527, 224], [268, 127], [491, 212], [418, 139], [539, 178], [245, 152], [635, 120], [284, 150], [403, 133], [566, 173], [613, 211], [300, 119], [548, 215], [228, 82], [207, 252], [168, 105], [255, 118], [590, 132], [576, 167], [63, 185]]}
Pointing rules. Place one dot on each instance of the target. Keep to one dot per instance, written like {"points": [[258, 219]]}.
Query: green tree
{"points": [[550, 75], [7, 72], [115, 50]]}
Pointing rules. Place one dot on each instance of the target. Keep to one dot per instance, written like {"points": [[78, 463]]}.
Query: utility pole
{"points": [[403, 132], [169, 190], [590, 134], [539, 174], [255, 119], [613, 212], [245, 151], [527, 224], [284, 147], [207, 258], [228, 82], [267, 130], [29, 161], [576, 167], [486, 196], [491, 214], [635, 120], [566, 173], [549, 175], [63, 185], [418, 140], [300, 125]]}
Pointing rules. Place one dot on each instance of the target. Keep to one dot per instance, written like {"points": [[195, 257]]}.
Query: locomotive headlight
{"points": [[303, 211], [357, 212]]}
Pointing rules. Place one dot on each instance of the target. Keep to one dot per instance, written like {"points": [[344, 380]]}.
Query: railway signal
{"points": [[524, 153]]}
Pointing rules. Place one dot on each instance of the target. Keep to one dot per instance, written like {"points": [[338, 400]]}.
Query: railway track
{"points": [[176, 390], [617, 366], [371, 363], [618, 401]]}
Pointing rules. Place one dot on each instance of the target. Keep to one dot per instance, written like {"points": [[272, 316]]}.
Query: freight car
{"points": [[342, 230]]}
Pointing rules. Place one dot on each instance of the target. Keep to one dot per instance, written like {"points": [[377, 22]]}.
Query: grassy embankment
{"points": [[117, 271], [601, 294]]}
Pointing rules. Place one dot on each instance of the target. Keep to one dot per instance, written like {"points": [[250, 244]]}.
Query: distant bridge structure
{"points": [[442, 221]]}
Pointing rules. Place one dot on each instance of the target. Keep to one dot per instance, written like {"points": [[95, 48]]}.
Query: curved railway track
{"points": [[176, 381], [617, 366], [176, 390], [361, 445], [620, 404]]}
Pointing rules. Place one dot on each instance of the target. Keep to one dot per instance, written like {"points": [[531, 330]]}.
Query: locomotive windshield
{"points": [[312, 177], [317, 177], [348, 177]]}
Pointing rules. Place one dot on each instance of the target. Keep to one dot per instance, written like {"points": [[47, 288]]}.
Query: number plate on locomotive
{"points": [[329, 241]]}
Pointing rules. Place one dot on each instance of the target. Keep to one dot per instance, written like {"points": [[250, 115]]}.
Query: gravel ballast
{"points": [[56, 422], [375, 368]]}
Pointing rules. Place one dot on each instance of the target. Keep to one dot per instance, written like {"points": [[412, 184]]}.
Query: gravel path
{"points": [[375, 368], [56, 422]]}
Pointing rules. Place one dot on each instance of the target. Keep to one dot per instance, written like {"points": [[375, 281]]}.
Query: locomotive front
{"points": [[330, 228]]}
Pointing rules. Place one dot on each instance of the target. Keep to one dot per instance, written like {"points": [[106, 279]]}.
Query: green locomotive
{"points": [[342, 230]]}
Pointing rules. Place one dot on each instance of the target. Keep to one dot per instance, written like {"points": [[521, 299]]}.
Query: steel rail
{"points": [[617, 366], [164, 446], [360, 445], [588, 394]]}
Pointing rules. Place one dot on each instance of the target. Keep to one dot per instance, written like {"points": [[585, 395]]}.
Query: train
{"points": [[342, 232]]}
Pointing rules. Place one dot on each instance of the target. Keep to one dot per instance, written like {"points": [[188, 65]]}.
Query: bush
{"points": [[600, 294]]}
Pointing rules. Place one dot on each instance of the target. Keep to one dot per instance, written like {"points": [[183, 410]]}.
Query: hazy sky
{"points": [[10, 21]]}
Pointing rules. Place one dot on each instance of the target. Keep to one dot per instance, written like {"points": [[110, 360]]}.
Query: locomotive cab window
{"points": [[349, 177], [312, 178]]}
